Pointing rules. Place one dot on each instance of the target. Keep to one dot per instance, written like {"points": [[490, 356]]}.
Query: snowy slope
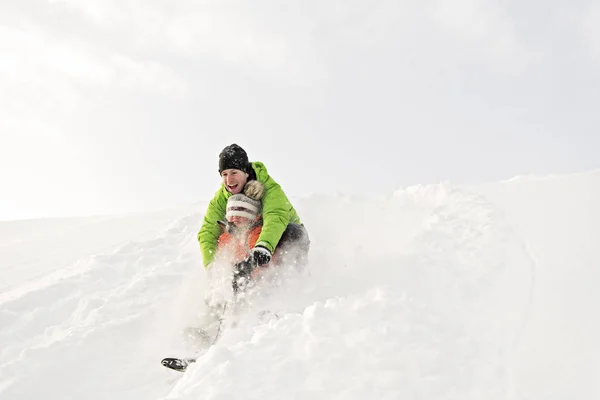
{"points": [[558, 218], [435, 292]]}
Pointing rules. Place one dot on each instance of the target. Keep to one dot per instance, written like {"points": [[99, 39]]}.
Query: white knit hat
{"points": [[242, 206]]}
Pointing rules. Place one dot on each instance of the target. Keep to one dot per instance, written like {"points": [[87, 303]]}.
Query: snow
{"points": [[434, 292]]}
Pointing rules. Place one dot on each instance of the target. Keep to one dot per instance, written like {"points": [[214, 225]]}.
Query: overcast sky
{"points": [[123, 105]]}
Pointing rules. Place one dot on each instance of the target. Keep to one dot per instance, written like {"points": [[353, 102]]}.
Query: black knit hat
{"points": [[233, 157]]}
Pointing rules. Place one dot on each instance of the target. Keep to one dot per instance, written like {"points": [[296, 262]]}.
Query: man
{"points": [[279, 217]]}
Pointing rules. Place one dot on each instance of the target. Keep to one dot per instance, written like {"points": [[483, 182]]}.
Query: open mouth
{"points": [[232, 187]]}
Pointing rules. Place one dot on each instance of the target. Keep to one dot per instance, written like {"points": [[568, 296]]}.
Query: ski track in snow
{"points": [[420, 295]]}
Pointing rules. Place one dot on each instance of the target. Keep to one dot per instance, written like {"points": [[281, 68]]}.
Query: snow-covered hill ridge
{"points": [[433, 292], [430, 301]]}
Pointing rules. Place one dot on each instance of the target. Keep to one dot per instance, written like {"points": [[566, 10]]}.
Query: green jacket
{"points": [[277, 213]]}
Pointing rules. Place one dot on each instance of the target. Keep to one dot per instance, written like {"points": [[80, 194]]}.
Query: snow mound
{"points": [[422, 295]]}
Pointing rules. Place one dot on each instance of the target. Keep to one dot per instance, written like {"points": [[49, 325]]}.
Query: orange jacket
{"points": [[238, 246]]}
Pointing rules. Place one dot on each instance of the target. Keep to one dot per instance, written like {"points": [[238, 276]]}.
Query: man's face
{"points": [[234, 180]]}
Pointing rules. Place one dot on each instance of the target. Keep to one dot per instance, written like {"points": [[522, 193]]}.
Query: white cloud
{"points": [[590, 30], [32, 50], [297, 44], [190, 29], [231, 37], [484, 25], [43, 73], [149, 76], [32, 77]]}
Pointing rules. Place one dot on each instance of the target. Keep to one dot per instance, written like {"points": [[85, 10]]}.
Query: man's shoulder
{"points": [[259, 166], [260, 170]]}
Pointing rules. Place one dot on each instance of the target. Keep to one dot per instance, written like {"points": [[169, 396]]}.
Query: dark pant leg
{"points": [[293, 246]]}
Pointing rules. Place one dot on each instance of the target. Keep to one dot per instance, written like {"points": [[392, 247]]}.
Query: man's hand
{"points": [[259, 255], [242, 271]]}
